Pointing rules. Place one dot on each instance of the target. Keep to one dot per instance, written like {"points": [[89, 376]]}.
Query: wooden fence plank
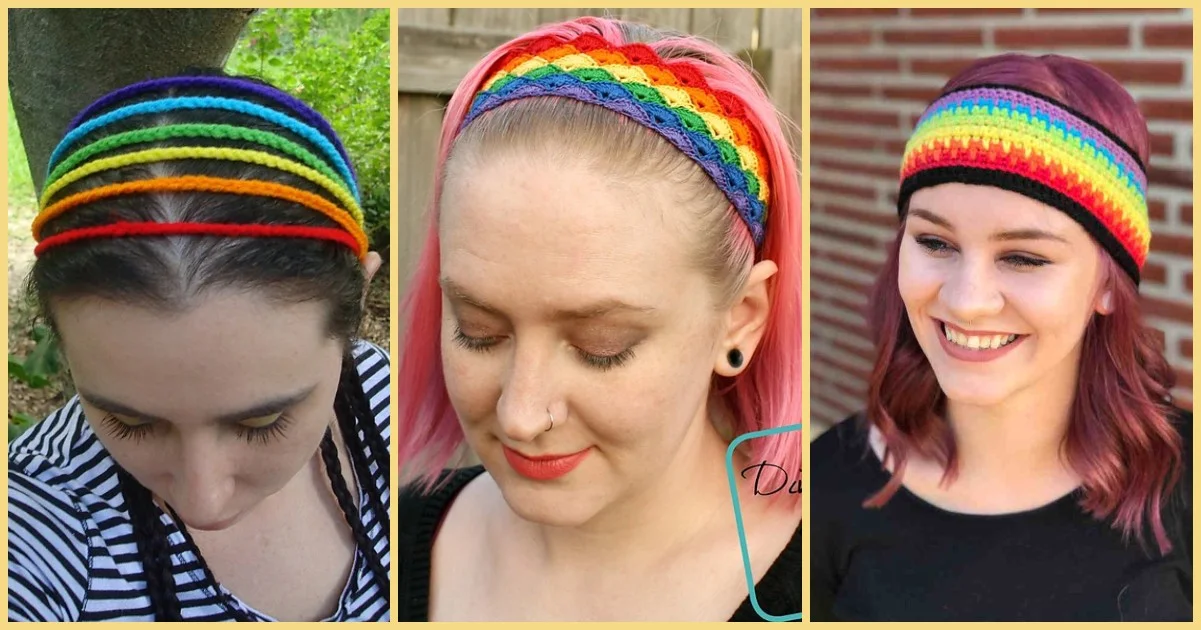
{"points": [[547, 16], [729, 28], [512, 21], [433, 60], [678, 19], [423, 17], [418, 123]]}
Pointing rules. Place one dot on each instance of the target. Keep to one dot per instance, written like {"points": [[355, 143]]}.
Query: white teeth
{"points": [[977, 343]]}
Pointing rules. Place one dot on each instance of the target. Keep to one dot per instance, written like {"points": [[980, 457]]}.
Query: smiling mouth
{"points": [[977, 342]]}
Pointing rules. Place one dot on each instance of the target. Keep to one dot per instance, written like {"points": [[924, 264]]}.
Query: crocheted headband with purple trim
{"points": [[670, 97]]}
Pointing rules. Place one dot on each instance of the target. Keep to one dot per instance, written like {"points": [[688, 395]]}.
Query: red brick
{"points": [[944, 67], [1163, 144], [919, 94], [1103, 11], [1188, 282], [1169, 310], [854, 327], [858, 64], [1060, 37], [873, 118], [1168, 36], [1165, 109], [1155, 272], [943, 37], [1185, 348], [841, 13], [894, 148], [865, 354], [837, 89], [851, 261], [817, 138], [1186, 214], [849, 190], [820, 278], [1143, 72], [1170, 177], [840, 38], [887, 220], [957, 12], [1160, 338], [1157, 210], [891, 172], [1171, 243], [1184, 378], [817, 232]]}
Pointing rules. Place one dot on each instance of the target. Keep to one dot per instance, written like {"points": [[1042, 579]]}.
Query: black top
{"points": [[779, 592], [913, 561]]}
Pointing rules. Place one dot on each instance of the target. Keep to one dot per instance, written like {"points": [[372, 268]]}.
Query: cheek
{"points": [[918, 277]]}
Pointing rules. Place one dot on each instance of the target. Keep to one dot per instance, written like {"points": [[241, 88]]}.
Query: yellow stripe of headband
{"points": [[207, 153]]}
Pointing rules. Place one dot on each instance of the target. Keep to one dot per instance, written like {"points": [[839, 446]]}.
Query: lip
{"points": [[544, 467], [973, 356]]}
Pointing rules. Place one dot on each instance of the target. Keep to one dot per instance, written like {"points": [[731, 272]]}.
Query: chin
{"points": [[212, 525], [977, 391], [557, 505]]}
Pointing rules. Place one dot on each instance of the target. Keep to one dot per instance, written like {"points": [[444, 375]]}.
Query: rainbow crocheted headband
{"points": [[1021, 141], [328, 167], [671, 97]]}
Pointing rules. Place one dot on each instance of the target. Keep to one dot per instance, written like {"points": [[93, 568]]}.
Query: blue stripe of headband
{"points": [[210, 102], [236, 84]]}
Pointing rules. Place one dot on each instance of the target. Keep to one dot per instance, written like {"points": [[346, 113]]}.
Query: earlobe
{"points": [[1105, 303]]}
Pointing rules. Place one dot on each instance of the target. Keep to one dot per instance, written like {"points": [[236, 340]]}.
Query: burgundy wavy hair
{"points": [[1119, 439]]}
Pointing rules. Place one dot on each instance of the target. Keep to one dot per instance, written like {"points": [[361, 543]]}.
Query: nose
{"points": [[971, 291], [204, 484], [525, 397]]}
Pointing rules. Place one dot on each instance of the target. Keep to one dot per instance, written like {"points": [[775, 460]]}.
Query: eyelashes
{"points": [[940, 248], [252, 435], [600, 362]]}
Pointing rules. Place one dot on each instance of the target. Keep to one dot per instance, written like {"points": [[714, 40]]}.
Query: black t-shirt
{"points": [[778, 592], [913, 561]]}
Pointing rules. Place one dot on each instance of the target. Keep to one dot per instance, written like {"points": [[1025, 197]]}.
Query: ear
{"points": [[371, 264], [1104, 304], [746, 320]]}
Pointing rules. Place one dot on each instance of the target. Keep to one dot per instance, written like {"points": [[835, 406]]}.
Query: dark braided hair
{"points": [[168, 273]]}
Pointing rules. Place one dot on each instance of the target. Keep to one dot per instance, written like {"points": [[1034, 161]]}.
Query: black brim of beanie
{"points": [[1024, 186]]}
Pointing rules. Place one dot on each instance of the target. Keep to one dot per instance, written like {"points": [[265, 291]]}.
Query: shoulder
{"points": [[52, 469], [840, 448], [419, 498]]}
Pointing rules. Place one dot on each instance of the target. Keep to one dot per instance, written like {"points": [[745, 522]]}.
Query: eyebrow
{"points": [[259, 410], [1026, 234], [591, 311]]}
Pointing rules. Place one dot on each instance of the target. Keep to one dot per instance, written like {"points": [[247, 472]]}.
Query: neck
{"points": [[678, 503], [1022, 436]]}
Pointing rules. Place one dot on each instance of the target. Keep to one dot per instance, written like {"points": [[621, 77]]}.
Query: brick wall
{"points": [[874, 71]]}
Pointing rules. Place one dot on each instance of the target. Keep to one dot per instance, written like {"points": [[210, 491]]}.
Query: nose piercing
{"points": [[552, 420]]}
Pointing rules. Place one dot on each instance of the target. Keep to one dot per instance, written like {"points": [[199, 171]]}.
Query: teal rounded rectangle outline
{"points": [[746, 554]]}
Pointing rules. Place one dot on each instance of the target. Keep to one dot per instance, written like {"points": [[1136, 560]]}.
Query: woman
{"points": [[1019, 458], [201, 257], [609, 291]]}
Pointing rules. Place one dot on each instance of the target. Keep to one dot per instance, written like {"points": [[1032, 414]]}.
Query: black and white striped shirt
{"points": [[71, 551]]}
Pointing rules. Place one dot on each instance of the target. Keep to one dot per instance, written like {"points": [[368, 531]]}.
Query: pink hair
{"points": [[765, 395], [1119, 439]]}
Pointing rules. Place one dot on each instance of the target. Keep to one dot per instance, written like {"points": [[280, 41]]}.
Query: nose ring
{"points": [[552, 420]]}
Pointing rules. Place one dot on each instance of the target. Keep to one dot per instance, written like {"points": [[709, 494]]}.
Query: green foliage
{"points": [[42, 363], [20, 182], [337, 61]]}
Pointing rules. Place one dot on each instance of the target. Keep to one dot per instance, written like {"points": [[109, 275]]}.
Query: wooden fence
{"points": [[436, 47]]}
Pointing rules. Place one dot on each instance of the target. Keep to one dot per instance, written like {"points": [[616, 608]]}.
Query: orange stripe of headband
{"points": [[194, 183]]}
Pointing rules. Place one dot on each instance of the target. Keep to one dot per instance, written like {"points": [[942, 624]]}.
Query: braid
{"points": [[151, 539], [358, 417], [329, 455]]}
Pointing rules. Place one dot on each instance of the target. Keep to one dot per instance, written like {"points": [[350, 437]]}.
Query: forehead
{"points": [[517, 221], [227, 351], [972, 208]]}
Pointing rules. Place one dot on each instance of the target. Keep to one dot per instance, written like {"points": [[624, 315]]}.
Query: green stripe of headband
{"points": [[211, 153], [217, 131]]}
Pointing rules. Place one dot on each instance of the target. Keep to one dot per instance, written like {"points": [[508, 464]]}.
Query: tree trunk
{"points": [[60, 60]]}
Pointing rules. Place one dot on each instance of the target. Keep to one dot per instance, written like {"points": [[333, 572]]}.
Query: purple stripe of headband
{"points": [[1053, 110], [298, 107]]}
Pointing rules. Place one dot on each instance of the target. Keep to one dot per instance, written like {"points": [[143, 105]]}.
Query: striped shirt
{"points": [[71, 550]]}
